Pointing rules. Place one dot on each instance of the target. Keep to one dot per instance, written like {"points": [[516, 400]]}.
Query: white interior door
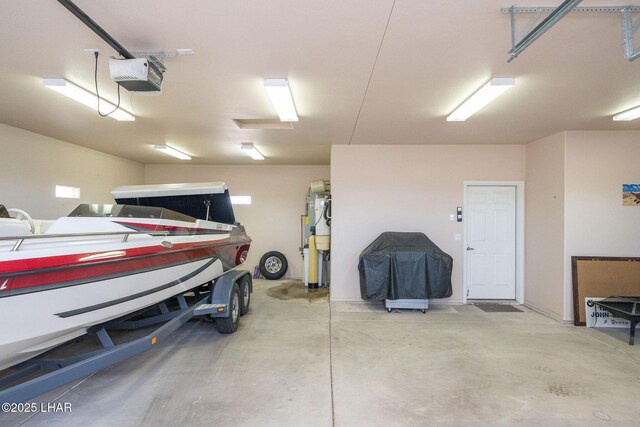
{"points": [[491, 242]]}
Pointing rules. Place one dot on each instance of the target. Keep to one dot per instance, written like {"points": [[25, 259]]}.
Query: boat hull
{"points": [[58, 315], [54, 293]]}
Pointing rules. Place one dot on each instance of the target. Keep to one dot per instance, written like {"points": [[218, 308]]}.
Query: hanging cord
{"points": [[327, 213], [95, 77]]}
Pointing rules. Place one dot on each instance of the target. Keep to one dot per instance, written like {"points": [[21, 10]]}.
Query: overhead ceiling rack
{"points": [[534, 28]]}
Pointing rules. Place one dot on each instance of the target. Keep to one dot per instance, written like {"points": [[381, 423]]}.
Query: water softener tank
{"points": [[313, 263]]}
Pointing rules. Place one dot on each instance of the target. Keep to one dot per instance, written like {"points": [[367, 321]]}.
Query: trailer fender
{"points": [[222, 289]]}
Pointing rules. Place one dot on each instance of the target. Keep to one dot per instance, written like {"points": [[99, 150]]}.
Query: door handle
{"points": [[469, 248]]}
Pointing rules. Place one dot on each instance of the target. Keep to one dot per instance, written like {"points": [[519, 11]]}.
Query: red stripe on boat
{"points": [[61, 261], [98, 271], [106, 269]]}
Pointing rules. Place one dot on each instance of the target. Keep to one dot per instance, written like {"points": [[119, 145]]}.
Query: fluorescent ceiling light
{"points": [[172, 152], [278, 90], [87, 98], [252, 151], [627, 116], [487, 93]]}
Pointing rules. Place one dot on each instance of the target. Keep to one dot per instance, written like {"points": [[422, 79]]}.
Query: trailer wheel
{"points": [[229, 324], [245, 295], [273, 265]]}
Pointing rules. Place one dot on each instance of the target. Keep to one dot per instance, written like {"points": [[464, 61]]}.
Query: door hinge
{"points": [[467, 293]]}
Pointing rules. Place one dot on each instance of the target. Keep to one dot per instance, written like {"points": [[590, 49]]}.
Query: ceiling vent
{"points": [[262, 124]]}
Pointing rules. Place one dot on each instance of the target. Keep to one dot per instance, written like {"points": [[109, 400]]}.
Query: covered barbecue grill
{"points": [[404, 266]]}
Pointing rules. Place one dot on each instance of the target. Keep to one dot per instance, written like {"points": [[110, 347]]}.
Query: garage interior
{"points": [[373, 84]]}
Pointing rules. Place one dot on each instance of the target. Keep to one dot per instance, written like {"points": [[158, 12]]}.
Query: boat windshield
{"points": [[211, 207], [128, 211]]}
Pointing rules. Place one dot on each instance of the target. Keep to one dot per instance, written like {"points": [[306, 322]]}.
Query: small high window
{"points": [[240, 200], [65, 192]]}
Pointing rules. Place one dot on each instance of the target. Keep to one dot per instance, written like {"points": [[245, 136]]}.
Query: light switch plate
{"points": [[457, 237]]}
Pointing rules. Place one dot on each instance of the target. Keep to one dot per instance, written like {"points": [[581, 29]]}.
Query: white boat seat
{"points": [[10, 227]]}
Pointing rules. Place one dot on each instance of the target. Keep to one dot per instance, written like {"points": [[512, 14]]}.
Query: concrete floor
{"points": [[300, 362]]}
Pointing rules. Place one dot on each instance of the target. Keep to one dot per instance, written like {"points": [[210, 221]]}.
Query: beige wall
{"points": [[31, 165], [406, 188], [278, 200], [544, 226], [573, 198], [596, 223]]}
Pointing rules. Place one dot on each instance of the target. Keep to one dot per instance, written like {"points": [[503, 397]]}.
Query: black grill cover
{"points": [[404, 266]]}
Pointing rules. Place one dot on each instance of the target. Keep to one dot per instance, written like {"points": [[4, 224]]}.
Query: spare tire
{"points": [[273, 265]]}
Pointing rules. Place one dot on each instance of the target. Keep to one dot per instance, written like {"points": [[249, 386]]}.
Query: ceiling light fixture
{"points": [[487, 93], [251, 151], [628, 115], [172, 152], [87, 98], [280, 94]]}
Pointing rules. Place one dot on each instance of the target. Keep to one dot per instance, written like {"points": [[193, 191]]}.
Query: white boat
{"points": [[104, 261]]}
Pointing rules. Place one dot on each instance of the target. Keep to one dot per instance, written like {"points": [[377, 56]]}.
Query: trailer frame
{"points": [[213, 299]]}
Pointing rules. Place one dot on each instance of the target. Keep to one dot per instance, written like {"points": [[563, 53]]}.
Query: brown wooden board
{"points": [[602, 277]]}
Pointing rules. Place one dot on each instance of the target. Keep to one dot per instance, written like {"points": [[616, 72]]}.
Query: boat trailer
{"points": [[224, 300]]}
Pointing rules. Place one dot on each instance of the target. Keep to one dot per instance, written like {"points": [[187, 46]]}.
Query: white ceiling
{"points": [[353, 83]]}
